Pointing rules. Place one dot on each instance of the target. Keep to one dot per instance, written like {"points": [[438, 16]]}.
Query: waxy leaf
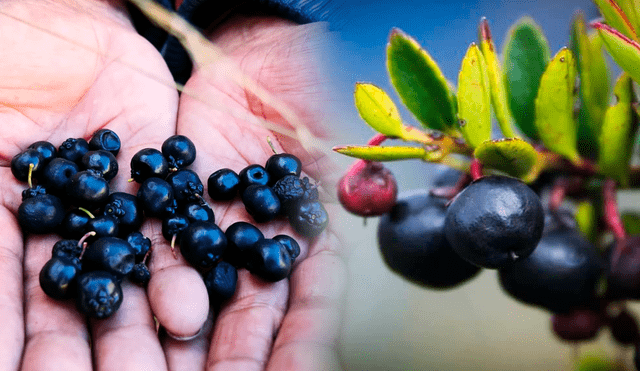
{"points": [[420, 83], [624, 51], [474, 98], [526, 55], [631, 223], [513, 156], [496, 80], [631, 8], [594, 85], [378, 110], [616, 18], [554, 106], [617, 133], [377, 153], [587, 220]]}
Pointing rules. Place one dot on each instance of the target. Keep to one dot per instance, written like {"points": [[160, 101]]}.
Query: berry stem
{"points": [[82, 242], [271, 145], [173, 244], [86, 212], [611, 214], [29, 181], [475, 169], [377, 140], [147, 254]]}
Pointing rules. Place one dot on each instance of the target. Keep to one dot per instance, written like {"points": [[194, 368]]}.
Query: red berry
{"points": [[368, 189]]}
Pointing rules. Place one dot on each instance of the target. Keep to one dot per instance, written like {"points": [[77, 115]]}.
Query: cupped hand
{"points": [[70, 68]]}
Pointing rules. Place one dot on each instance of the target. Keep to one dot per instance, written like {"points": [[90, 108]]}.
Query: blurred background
{"points": [[391, 324]]}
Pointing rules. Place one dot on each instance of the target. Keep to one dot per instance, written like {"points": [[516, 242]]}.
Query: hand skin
{"points": [[53, 88]]}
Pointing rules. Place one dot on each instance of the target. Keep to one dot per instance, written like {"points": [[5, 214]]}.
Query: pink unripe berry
{"points": [[368, 189]]}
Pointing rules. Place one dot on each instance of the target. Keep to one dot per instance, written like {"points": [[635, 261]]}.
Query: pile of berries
{"points": [[69, 193]]}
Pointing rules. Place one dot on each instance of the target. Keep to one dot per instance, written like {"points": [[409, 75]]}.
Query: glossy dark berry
{"points": [[577, 325], [73, 149], [241, 236], [88, 189], [292, 246], [140, 245], [261, 203], [367, 189], [290, 190], [57, 175], [269, 260], [126, 209], [624, 328], [105, 139], [74, 223], [140, 274], [46, 149], [41, 214], [221, 282], [412, 242], [623, 273], [186, 185], [102, 161], [560, 275], [33, 192], [68, 248], [282, 164], [202, 244], [197, 210], [558, 220], [179, 151], [309, 218], [58, 277], [446, 176], [21, 162], [223, 185], [103, 225], [99, 294], [110, 254], [253, 175], [494, 222], [156, 197], [147, 163], [173, 226], [310, 190]]}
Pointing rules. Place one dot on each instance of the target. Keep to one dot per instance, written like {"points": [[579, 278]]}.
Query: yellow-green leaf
{"points": [[586, 219], [594, 85], [377, 153], [554, 106], [474, 98], [616, 18], [630, 9], [631, 222], [624, 51], [420, 83], [378, 110], [616, 137], [496, 80], [513, 156], [526, 55]]}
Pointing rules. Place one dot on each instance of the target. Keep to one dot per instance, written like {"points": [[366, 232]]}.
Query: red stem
{"points": [[377, 139], [475, 168], [558, 192], [611, 214], [451, 192]]}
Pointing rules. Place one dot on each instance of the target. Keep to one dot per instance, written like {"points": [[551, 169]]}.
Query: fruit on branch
{"points": [[494, 222], [368, 189], [577, 325], [560, 275], [413, 244], [623, 271]]}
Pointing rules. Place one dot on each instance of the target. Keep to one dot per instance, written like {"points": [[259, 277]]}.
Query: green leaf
{"points": [[624, 51], [616, 18], [474, 98], [378, 110], [526, 55], [420, 83], [586, 219], [554, 106], [513, 156], [594, 86], [616, 137], [631, 223], [630, 8], [496, 80], [377, 153]]}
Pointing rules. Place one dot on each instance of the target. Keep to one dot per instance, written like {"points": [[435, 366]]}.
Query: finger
{"points": [[11, 295], [308, 337], [56, 333], [128, 339], [189, 355]]}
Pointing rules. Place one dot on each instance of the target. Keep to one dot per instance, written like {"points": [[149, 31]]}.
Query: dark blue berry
{"points": [[105, 139], [74, 223], [103, 225], [282, 164], [261, 203], [140, 274], [99, 294], [140, 245], [58, 277], [41, 214], [221, 282], [253, 175], [67, 248], [292, 246], [202, 244], [173, 226], [57, 175], [127, 209], [148, 163], [241, 236], [88, 189], [197, 210], [46, 149], [21, 163], [223, 185], [269, 260], [309, 218], [73, 149], [110, 254], [156, 197], [102, 161], [179, 151], [186, 185], [33, 192]]}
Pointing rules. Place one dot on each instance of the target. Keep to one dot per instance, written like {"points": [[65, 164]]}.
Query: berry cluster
{"points": [[69, 194]]}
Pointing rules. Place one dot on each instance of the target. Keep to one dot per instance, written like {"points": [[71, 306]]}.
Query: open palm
{"points": [[53, 88]]}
